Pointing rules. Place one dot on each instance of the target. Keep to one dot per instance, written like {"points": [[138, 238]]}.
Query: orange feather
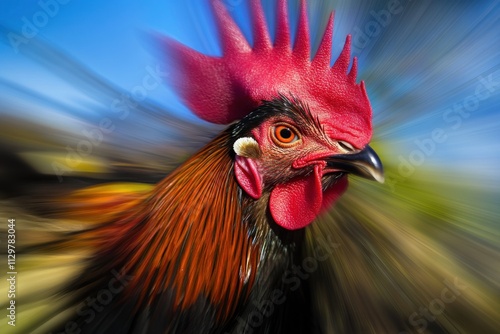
{"points": [[186, 235]]}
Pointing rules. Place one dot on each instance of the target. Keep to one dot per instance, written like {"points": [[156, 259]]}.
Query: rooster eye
{"points": [[284, 134]]}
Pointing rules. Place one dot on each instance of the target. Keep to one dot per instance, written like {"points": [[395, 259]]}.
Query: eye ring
{"points": [[284, 135]]}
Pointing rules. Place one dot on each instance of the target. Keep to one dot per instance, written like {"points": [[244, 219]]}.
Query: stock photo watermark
{"points": [[31, 26], [11, 271], [380, 19], [121, 107], [453, 118], [92, 305], [421, 319], [292, 280]]}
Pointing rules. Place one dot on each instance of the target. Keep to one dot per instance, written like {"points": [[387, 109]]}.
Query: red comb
{"points": [[224, 89]]}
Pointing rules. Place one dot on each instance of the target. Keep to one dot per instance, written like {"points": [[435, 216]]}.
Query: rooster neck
{"points": [[276, 282], [200, 240], [279, 248]]}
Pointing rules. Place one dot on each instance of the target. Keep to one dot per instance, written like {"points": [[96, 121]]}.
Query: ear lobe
{"points": [[247, 147], [248, 176]]}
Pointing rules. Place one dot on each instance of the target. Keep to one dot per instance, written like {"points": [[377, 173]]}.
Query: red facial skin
{"points": [[293, 173]]}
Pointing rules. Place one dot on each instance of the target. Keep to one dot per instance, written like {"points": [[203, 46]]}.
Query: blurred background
{"points": [[84, 99]]}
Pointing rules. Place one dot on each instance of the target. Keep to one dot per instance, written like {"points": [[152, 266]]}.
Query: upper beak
{"points": [[365, 163]]}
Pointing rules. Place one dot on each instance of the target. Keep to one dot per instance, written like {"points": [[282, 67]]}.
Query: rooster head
{"points": [[302, 123], [283, 150]]}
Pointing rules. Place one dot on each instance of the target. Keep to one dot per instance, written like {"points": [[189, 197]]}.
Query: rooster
{"points": [[256, 232], [217, 246], [211, 247]]}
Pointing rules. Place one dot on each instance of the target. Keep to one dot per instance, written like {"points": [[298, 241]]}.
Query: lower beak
{"points": [[365, 163]]}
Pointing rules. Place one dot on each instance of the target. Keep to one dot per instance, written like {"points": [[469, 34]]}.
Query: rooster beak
{"points": [[365, 163]]}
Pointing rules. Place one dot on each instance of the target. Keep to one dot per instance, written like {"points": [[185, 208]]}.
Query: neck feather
{"points": [[199, 237]]}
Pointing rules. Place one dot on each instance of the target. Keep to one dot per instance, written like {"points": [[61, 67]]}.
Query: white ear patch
{"points": [[247, 147]]}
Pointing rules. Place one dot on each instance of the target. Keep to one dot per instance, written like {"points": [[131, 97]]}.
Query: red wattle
{"points": [[332, 194], [295, 204]]}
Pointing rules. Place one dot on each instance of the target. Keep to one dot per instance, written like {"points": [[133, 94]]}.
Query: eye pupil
{"points": [[286, 133], [283, 134]]}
